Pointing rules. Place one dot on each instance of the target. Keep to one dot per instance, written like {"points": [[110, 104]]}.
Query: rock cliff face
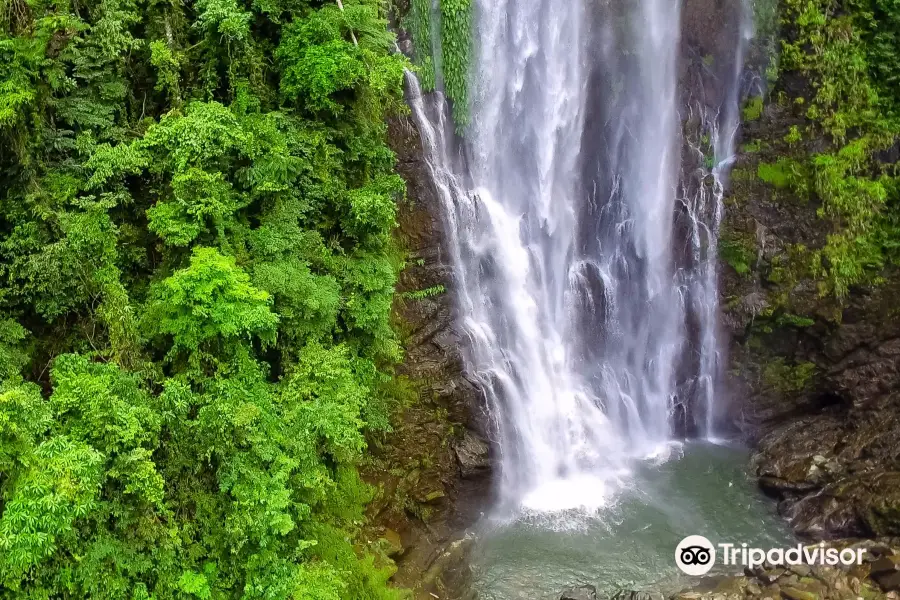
{"points": [[434, 474], [814, 378]]}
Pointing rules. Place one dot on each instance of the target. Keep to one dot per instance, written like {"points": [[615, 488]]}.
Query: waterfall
{"points": [[583, 251]]}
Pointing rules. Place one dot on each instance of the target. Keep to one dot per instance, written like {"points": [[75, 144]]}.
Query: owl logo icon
{"points": [[695, 555]]}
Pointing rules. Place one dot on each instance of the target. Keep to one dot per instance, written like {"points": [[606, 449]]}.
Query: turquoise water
{"points": [[631, 542]]}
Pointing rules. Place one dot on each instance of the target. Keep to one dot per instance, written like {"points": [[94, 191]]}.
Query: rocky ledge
{"points": [[837, 473], [876, 578], [815, 379]]}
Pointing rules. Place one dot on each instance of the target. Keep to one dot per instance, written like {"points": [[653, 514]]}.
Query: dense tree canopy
{"points": [[196, 274]]}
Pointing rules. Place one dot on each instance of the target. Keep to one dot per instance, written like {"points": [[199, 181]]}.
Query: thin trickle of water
{"points": [[590, 314], [701, 197]]}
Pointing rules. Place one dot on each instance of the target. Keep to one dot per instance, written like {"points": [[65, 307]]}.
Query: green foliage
{"points": [[752, 109], [793, 136], [791, 320], [456, 48], [844, 49], [782, 174], [211, 301], [738, 253], [12, 358], [765, 20], [435, 290], [420, 22], [750, 147], [442, 39], [196, 277], [788, 378]]}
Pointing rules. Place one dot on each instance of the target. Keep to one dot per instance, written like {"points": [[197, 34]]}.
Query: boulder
{"points": [[582, 592], [889, 581], [451, 568], [836, 473], [886, 564], [797, 594], [637, 595]]}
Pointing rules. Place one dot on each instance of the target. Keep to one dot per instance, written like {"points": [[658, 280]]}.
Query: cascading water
{"points": [[583, 249]]}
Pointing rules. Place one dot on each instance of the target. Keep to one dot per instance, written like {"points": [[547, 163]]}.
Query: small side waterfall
{"points": [[582, 242]]}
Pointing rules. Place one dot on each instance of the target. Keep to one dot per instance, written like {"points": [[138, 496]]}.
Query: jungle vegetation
{"points": [[196, 278]]}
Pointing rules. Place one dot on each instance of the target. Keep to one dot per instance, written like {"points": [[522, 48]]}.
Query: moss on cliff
{"points": [[787, 378], [833, 54], [442, 39]]}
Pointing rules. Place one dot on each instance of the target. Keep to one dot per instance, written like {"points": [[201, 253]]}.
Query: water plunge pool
{"points": [[630, 543]]}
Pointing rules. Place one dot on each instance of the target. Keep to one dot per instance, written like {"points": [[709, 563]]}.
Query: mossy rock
{"points": [[391, 543], [794, 593], [753, 109], [882, 505]]}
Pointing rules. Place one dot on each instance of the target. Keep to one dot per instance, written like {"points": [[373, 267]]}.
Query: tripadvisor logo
{"points": [[696, 555]]}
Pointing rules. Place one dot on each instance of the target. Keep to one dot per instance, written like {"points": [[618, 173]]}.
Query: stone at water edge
{"points": [[434, 496], [582, 592], [886, 564], [886, 571], [636, 595], [802, 570], [797, 594], [888, 581]]}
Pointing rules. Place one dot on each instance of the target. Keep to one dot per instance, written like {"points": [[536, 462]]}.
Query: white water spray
{"points": [[559, 208]]}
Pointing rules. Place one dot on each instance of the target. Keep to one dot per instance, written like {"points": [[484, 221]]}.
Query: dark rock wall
{"points": [[814, 377], [433, 471]]}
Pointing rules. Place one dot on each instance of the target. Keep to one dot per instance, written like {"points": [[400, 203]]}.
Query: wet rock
{"points": [[422, 495], [885, 564], [816, 376], [450, 569], [788, 579], [773, 575], [582, 592], [798, 594], [874, 549], [764, 576], [472, 455], [433, 496], [886, 571], [836, 474], [801, 570], [807, 582], [637, 595], [889, 581]]}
